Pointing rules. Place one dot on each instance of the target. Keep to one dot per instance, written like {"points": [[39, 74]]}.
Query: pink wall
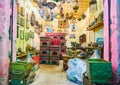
{"points": [[113, 34], [106, 31], [5, 43], [118, 28], [14, 30], [2, 14]]}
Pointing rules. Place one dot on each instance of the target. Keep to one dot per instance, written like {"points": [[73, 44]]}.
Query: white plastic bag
{"points": [[76, 68]]}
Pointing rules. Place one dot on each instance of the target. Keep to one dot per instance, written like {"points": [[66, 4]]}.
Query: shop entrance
{"points": [[50, 33]]}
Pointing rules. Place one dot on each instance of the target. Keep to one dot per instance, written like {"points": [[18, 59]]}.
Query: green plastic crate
{"points": [[21, 66], [99, 71]]}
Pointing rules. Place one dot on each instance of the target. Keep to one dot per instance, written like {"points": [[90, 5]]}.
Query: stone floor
{"points": [[51, 75]]}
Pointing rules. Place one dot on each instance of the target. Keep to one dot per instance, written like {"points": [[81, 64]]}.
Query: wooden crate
{"points": [[99, 71], [54, 57], [17, 82], [44, 58], [44, 53], [44, 61], [86, 81], [54, 62], [45, 39], [54, 53], [65, 60], [45, 43], [16, 74], [44, 48], [21, 66]]}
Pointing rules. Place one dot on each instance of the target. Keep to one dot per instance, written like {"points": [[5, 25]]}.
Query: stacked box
{"points": [[14, 74], [55, 51], [44, 54], [44, 61], [99, 71], [21, 66], [62, 37], [45, 41], [54, 54], [19, 71], [17, 82], [63, 50], [62, 44], [54, 62]]}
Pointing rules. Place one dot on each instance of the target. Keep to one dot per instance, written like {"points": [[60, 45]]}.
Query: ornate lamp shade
{"points": [[46, 10], [42, 3], [51, 5], [75, 6], [67, 15], [57, 0], [93, 5]]}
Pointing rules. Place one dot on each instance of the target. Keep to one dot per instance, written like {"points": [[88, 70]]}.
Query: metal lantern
{"points": [[83, 16], [93, 5], [67, 15], [75, 5], [51, 5]]}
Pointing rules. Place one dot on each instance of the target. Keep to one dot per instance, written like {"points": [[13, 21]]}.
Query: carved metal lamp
{"points": [[75, 5], [93, 5]]}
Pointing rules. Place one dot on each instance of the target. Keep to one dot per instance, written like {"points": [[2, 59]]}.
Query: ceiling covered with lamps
{"points": [[68, 6]]}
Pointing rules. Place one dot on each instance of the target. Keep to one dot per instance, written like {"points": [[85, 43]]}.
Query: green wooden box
{"points": [[17, 82], [21, 66], [17, 74], [99, 71]]}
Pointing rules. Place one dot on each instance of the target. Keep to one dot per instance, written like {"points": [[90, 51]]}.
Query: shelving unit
{"points": [[93, 29], [95, 25]]}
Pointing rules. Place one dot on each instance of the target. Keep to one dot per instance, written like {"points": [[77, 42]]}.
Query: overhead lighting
{"points": [[57, 0], [51, 5], [93, 6], [75, 5]]}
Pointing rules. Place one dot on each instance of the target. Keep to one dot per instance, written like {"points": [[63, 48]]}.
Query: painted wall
{"points": [[5, 42], [112, 43], [118, 16], [28, 7], [99, 33], [84, 23]]}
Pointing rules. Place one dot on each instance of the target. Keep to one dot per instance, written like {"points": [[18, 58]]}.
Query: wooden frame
{"points": [[63, 23], [72, 36], [26, 36], [21, 34], [31, 34], [17, 31]]}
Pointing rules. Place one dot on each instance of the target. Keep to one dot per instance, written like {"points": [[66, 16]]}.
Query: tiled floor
{"points": [[51, 75]]}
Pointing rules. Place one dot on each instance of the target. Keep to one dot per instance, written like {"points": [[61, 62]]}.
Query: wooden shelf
{"points": [[25, 54], [95, 25], [22, 55]]}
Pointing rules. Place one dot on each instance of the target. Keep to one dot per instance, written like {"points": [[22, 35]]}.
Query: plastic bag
{"points": [[76, 68]]}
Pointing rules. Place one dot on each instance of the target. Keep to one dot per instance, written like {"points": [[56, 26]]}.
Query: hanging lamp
{"points": [[93, 5], [57, 0], [75, 5], [51, 5]]}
